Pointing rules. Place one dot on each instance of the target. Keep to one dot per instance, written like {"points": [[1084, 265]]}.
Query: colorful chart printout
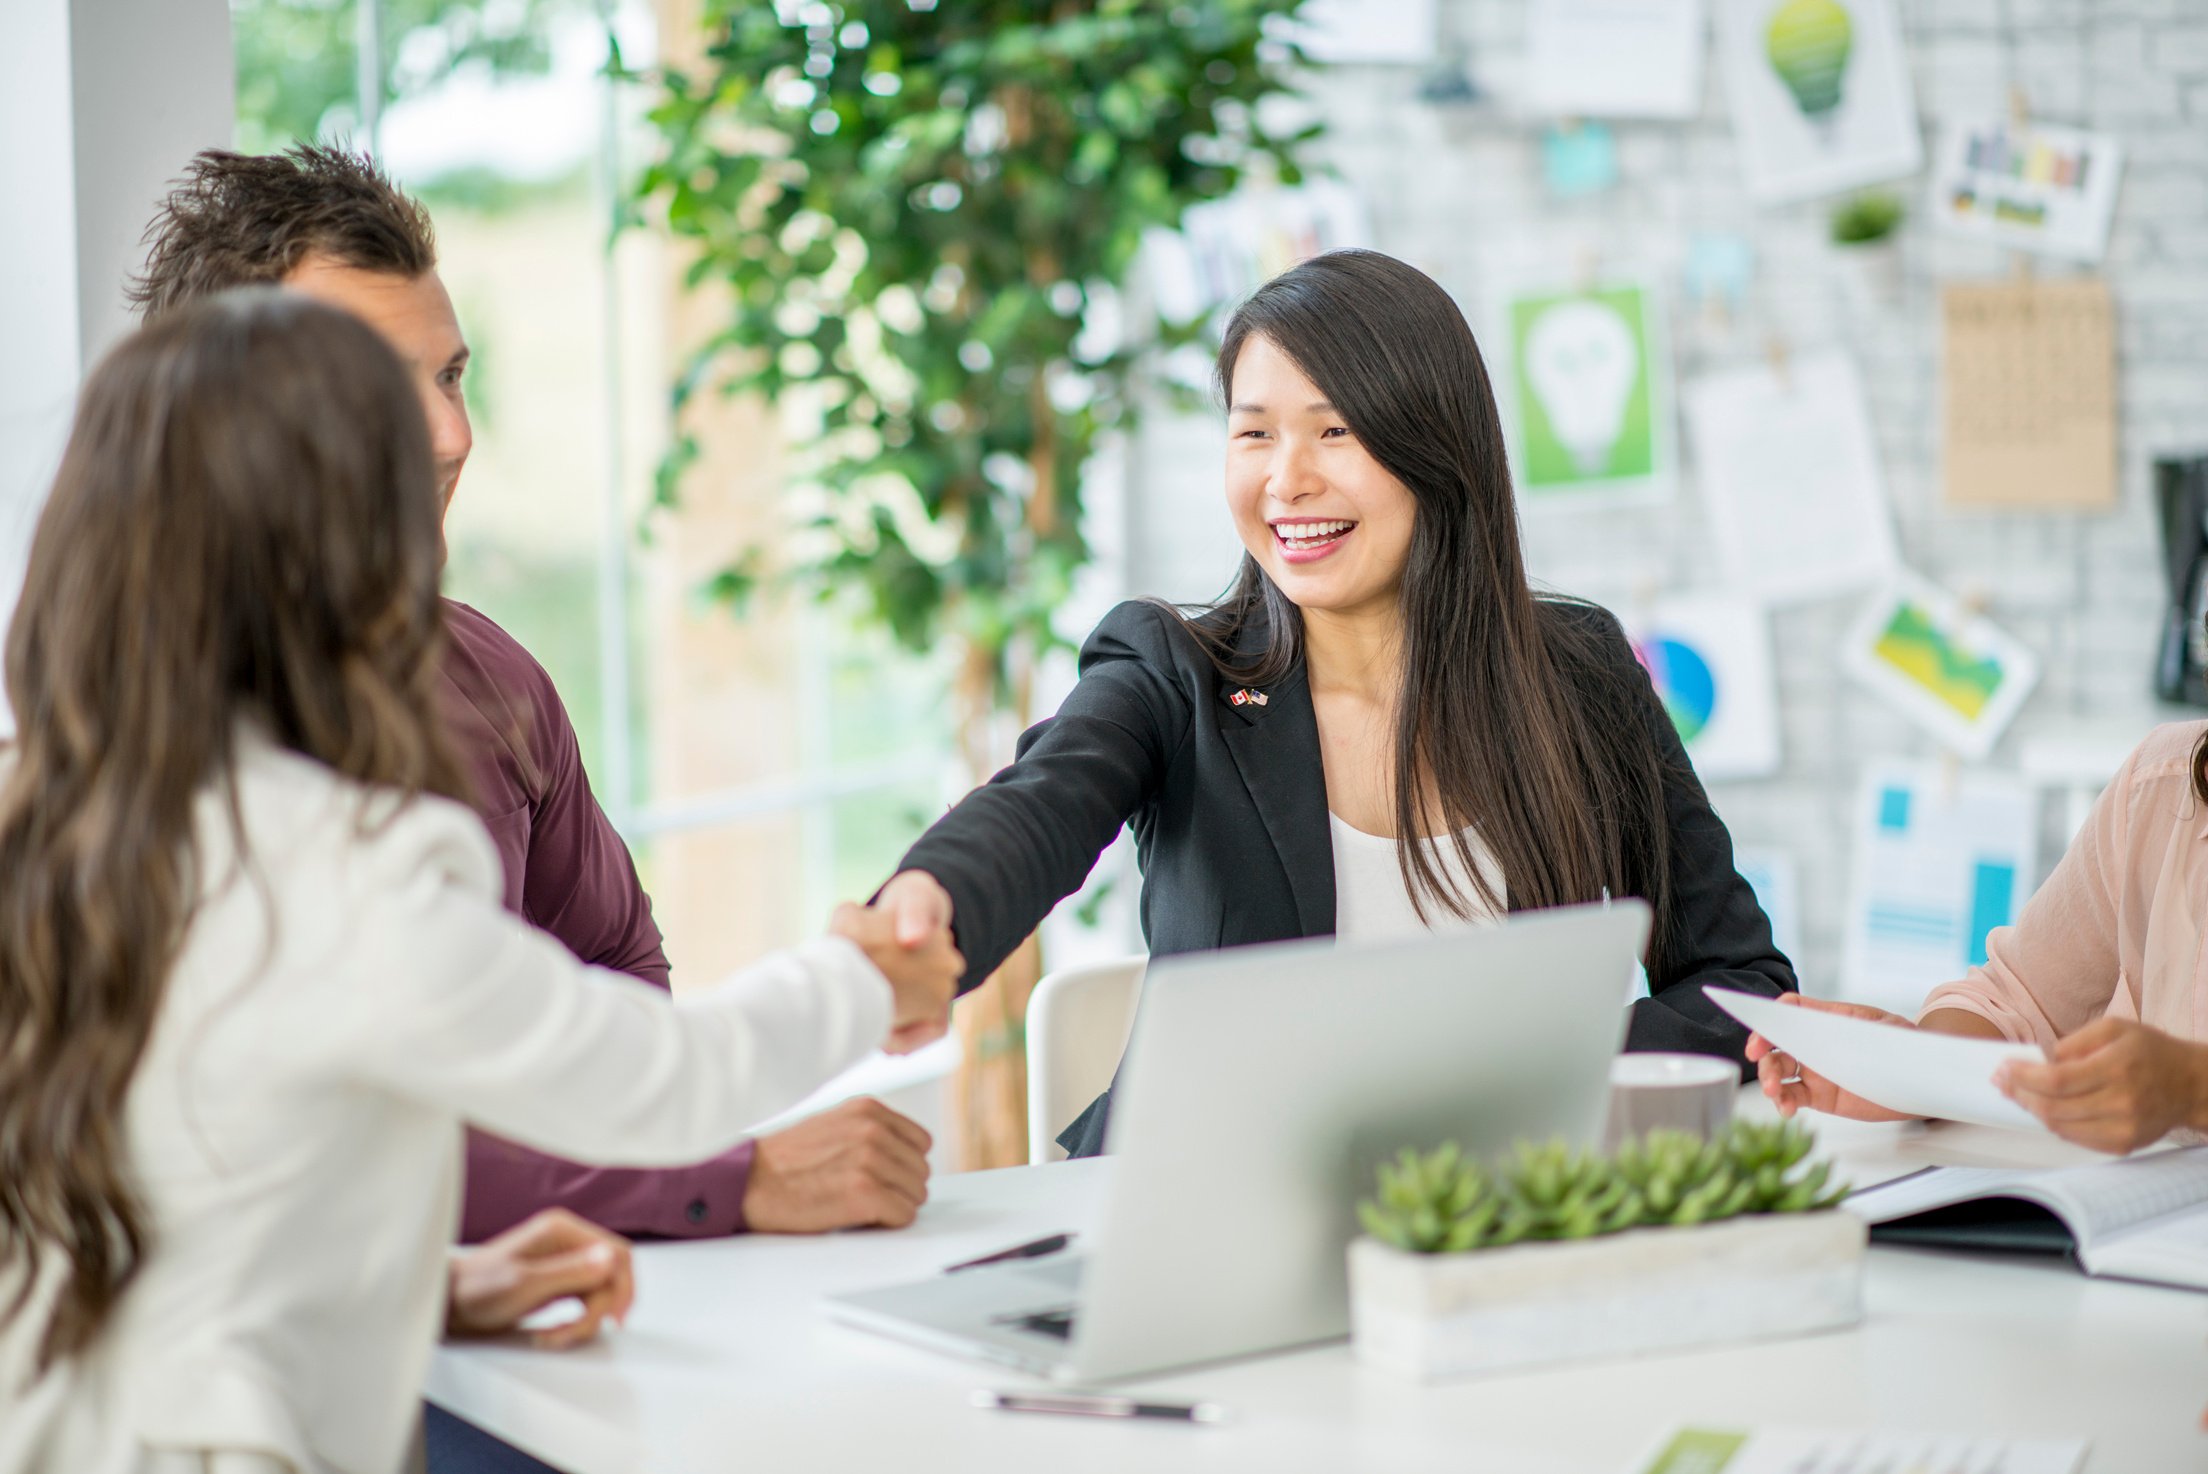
{"points": [[1709, 658], [1951, 670], [1942, 857], [2037, 188]]}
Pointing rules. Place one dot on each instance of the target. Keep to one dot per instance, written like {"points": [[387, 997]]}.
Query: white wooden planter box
{"points": [[1648, 1289]]}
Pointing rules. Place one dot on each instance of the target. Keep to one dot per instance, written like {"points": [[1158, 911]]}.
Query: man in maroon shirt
{"points": [[327, 223]]}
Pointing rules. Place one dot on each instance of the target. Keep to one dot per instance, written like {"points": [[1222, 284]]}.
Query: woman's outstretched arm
{"points": [[1026, 839]]}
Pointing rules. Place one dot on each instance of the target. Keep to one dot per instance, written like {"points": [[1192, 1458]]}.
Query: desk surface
{"points": [[728, 1363]]}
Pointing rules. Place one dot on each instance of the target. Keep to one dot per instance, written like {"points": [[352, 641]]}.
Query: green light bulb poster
{"points": [[1809, 43], [1820, 95], [1590, 395]]}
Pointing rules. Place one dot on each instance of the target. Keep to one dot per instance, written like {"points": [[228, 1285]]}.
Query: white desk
{"points": [[728, 1364]]}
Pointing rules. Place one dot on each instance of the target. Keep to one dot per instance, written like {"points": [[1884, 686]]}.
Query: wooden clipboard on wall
{"points": [[2029, 418]]}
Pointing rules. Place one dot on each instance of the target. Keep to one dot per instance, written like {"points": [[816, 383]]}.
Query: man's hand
{"points": [[1792, 1088], [907, 935], [2114, 1086], [554, 1255], [859, 1165]]}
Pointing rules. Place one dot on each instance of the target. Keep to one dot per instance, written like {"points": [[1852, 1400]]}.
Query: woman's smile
{"points": [[1304, 540]]}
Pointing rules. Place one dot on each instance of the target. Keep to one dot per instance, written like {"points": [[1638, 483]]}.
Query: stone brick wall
{"points": [[1452, 186]]}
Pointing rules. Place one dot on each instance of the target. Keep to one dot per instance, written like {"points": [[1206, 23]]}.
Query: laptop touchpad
{"points": [[1062, 1272]]}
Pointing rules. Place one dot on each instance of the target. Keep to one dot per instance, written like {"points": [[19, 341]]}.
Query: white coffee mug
{"points": [[1682, 1092]]}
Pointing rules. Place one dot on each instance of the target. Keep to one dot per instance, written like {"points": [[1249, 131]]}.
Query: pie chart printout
{"points": [[1684, 680]]}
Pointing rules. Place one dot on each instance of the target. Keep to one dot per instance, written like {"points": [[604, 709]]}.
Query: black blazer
{"points": [[1229, 813]]}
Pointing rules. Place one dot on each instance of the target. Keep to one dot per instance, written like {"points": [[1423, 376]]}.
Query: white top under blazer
{"points": [[341, 1005], [1371, 902]]}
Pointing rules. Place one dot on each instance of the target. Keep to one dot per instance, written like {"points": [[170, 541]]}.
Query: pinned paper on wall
{"points": [[1589, 408], [1820, 94], [1941, 859], [1771, 875], [1226, 249], [1366, 32], [2036, 187], [1578, 159], [1951, 670], [1709, 658], [1613, 58], [2029, 412], [1719, 268], [1790, 470]]}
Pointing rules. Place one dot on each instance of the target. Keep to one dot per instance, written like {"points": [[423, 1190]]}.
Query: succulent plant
{"points": [[1557, 1192], [1679, 1179], [1765, 1154], [1438, 1203], [1442, 1202]]}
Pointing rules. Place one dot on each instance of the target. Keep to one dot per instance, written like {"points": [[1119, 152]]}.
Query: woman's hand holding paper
{"points": [[2115, 1085], [1792, 1088]]}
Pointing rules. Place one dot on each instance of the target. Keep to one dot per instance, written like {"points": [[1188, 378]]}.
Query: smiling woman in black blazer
{"points": [[1380, 728]]}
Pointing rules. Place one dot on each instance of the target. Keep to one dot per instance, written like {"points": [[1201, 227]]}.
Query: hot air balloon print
{"points": [[1809, 43]]}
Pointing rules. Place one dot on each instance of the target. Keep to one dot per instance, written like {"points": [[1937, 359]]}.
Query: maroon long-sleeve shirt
{"points": [[567, 872]]}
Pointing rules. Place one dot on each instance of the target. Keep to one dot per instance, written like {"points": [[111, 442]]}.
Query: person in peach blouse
{"points": [[2103, 969]]}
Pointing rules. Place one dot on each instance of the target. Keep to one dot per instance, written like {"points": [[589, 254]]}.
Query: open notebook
{"points": [[2134, 1218]]}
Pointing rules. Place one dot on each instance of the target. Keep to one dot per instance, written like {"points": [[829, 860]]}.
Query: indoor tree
{"points": [[919, 217]]}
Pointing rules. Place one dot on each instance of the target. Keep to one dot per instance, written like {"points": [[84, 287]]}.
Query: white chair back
{"points": [[1078, 1020]]}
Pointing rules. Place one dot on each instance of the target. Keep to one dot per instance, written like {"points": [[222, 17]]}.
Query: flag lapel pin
{"points": [[1247, 697]]}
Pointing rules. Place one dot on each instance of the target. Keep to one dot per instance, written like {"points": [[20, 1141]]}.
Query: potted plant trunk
{"points": [[1564, 1256]]}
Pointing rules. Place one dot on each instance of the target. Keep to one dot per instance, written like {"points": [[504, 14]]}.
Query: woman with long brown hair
{"points": [[254, 972], [1380, 728]]}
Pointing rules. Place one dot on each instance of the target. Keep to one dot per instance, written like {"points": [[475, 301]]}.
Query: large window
{"points": [[762, 766]]}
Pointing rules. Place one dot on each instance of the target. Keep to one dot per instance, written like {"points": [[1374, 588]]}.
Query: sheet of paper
{"points": [[1909, 1070], [1228, 248], [1367, 32], [1854, 1451], [1614, 58], [1709, 657], [1940, 859], [1820, 94], [1953, 672], [1790, 471], [2029, 394], [2038, 188]]}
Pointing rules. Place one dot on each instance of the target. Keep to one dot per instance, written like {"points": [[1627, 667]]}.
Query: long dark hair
{"points": [[1512, 716], [244, 527]]}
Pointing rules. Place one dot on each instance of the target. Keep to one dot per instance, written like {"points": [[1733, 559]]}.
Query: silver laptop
{"points": [[1261, 1088]]}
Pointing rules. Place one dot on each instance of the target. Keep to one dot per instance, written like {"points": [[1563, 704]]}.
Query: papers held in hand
{"points": [[1908, 1070]]}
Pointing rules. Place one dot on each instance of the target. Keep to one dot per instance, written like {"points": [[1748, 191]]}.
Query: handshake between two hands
{"points": [[906, 934]]}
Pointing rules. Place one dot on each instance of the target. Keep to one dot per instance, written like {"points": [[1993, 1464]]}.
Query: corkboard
{"points": [[2030, 394]]}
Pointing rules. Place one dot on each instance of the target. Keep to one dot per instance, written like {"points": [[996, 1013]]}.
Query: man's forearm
{"points": [[506, 1183]]}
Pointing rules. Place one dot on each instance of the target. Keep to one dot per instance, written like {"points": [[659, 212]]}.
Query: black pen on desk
{"points": [[1032, 1249], [1099, 1405]]}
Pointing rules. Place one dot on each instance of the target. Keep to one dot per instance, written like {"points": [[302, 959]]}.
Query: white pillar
{"points": [[101, 104]]}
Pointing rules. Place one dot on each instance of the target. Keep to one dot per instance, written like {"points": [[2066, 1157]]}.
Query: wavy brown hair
{"points": [[1515, 714], [244, 529]]}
